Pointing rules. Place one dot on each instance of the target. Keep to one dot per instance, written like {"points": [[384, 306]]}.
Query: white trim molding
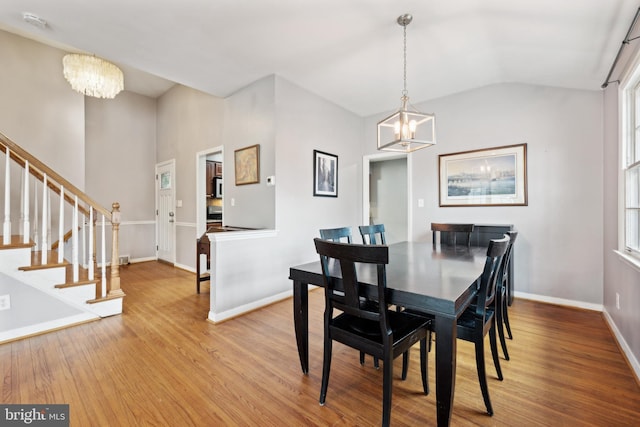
{"points": [[626, 350]]}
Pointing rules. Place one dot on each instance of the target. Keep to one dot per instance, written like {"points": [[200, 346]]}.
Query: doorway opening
{"points": [[209, 189], [386, 194]]}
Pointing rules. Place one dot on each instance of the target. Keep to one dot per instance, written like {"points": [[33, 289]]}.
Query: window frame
{"points": [[629, 107]]}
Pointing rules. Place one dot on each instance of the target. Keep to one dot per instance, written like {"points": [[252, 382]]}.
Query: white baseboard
{"points": [[243, 309], [560, 301], [633, 361]]}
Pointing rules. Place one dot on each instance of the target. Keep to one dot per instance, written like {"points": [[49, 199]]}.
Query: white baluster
{"points": [[61, 227], [36, 236], [74, 240], [44, 246], [84, 241], [91, 272], [104, 258], [6, 229], [25, 205], [48, 245]]}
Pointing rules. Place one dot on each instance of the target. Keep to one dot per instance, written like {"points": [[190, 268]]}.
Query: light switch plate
{"points": [[5, 302]]}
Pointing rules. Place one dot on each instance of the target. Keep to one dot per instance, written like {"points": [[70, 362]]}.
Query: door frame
{"points": [[172, 164], [366, 167], [201, 190]]}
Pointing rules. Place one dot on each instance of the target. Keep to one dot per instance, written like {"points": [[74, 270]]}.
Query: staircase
{"points": [[46, 285]]}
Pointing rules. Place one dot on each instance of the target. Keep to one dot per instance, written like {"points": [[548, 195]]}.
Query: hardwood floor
{"points": [[161, 363]]}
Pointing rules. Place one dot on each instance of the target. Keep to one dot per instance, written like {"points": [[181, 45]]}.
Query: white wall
{"points": [[121, 153], [252, 272], [249, 119], [559, 249], [188, 121], [306, 122]]}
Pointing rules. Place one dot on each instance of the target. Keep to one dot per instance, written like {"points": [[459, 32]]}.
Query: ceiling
{"points": [[347, 51]]}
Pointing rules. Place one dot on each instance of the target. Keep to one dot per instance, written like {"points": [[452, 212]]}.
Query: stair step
{"points": [[16, 242], [36, 261], [78, 283], [107, 298]]}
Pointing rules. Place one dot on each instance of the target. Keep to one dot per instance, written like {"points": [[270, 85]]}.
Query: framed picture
{"points": [[247, 165], [325, 174], [488, 177]]}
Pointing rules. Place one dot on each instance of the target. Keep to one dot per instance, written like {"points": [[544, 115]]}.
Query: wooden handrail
{"points": [[71, 194], [20, 155]]}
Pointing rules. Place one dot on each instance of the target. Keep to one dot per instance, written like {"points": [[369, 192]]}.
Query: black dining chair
{"points": [[502, 286], [368, 234], [342, 234], [336, 234], [479, 318], [384, 333], [372, 234], [449, 233]]}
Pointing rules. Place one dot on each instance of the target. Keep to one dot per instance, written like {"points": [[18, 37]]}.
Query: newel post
{"points": [[114, 282]]}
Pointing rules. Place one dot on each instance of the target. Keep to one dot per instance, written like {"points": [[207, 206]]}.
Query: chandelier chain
{"points": [[404, 91]]}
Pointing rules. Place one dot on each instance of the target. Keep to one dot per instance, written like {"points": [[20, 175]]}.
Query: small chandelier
{"points": [[92, 76], [406, 130]]}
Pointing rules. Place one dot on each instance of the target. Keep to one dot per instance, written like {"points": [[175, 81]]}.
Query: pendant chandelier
{"points": [[92, 76], [406, 130]]}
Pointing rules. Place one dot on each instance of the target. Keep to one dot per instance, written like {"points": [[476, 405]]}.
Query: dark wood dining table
{"points": [[440, 281]]}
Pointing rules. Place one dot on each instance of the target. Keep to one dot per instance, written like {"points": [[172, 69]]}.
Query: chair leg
{"points": [[505, 316], [482, 376], [376, 363], [387, 383], [326, 367], [494, 350], [405, 364], [499, 324], [424, 364]]}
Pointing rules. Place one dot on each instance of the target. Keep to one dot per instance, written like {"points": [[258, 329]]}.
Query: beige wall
{"points": [[38, 109]]}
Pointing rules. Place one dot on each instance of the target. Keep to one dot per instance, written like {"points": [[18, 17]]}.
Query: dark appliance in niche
{"points": [[217, 188], [214, 213]]}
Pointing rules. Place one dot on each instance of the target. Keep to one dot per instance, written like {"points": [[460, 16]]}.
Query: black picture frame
{"points": [[325, 174]]}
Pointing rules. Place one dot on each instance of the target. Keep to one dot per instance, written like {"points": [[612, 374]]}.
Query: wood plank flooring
{"points": [[162, 364]]}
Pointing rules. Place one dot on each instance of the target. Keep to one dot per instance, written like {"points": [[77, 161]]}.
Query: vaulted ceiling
{"points": [[348, 51]]}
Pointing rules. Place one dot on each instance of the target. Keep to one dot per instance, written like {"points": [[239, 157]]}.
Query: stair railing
{"points": [[84, 213]]}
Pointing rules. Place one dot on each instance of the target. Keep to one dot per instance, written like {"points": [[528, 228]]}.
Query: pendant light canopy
{"points": [[406, 130]]}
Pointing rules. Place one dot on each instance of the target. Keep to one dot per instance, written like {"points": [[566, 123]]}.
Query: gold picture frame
{"points": [[247, 165]]}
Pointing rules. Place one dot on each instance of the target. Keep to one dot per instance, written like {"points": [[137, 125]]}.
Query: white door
{"points": [[165, 211]]}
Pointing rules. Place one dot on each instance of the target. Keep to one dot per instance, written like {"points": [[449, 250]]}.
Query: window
{"points": [[631, 163]]}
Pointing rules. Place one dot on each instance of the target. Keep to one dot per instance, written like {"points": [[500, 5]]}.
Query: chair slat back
{"points": [[506, 261], [487, 289], [369, 233], [449, 232], [347, 255], [336, 234]]}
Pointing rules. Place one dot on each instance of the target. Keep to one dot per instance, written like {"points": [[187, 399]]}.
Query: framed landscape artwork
{"points": [[247, 165], [487, 177], [325, 174]]}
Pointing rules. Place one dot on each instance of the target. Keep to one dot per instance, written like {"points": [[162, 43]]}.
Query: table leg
{"points": [[301, 322], [445, 329]]}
